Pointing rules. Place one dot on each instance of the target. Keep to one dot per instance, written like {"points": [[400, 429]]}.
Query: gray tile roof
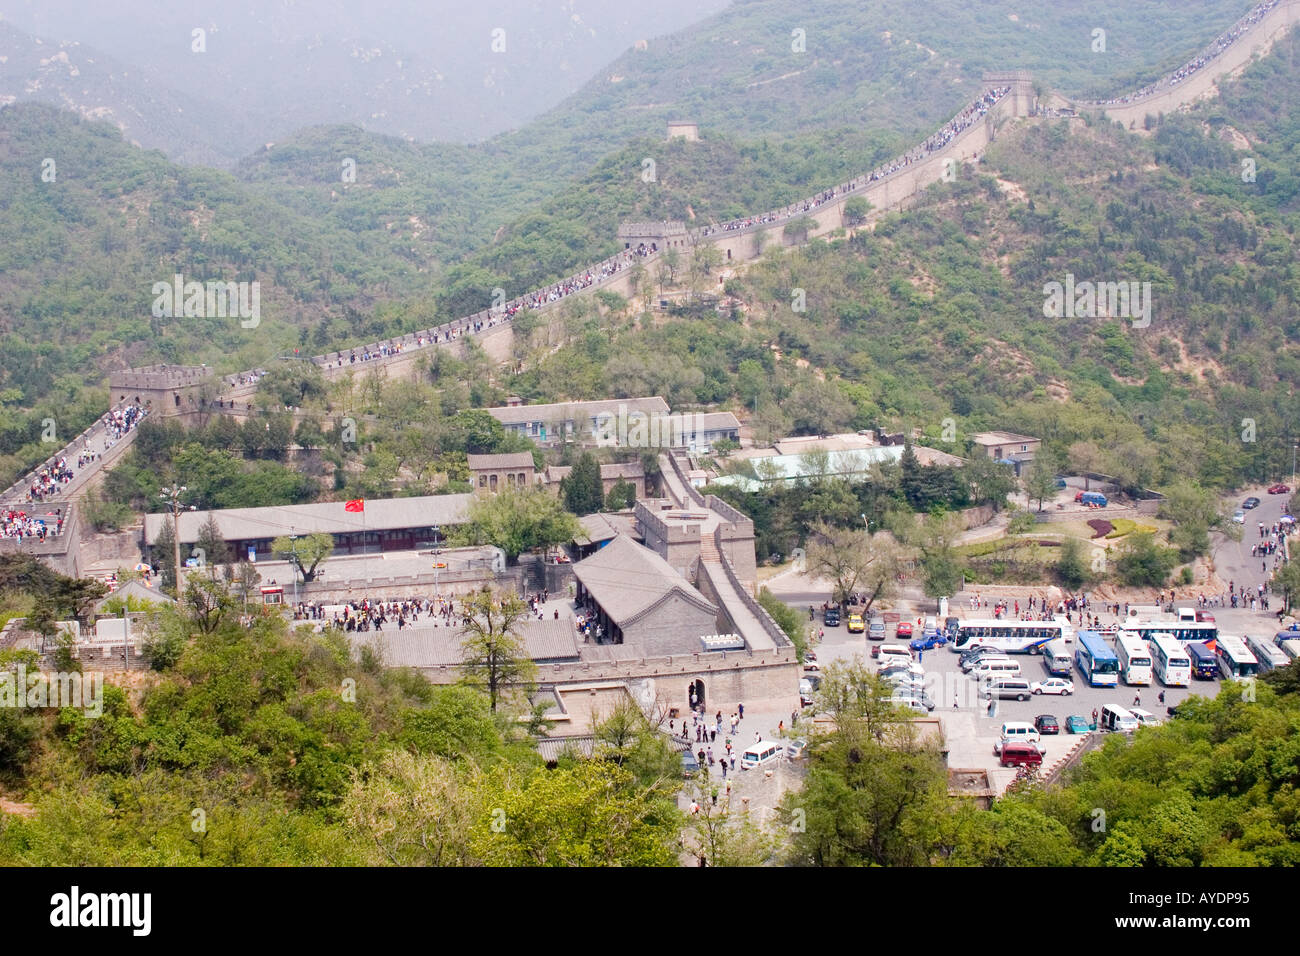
{"points": [[595, 527], [575, 411], [427, 646], [517, 460], [387, 514], [628, 581], [134, 589]]}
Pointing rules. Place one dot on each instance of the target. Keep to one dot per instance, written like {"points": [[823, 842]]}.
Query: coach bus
{"points": [[1205, 665], [1170, 661], [1185, 631], [1013, 637], [1268, 654], [1236, 662], [1134, 658], [1096, 660]]}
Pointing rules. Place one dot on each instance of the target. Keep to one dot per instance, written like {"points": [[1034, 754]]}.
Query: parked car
{"points": [[1054, 685], [1251, 502], [1047, 724], [917, 700], [971, 663], [805, 692], [906, 683], [856, 625], [876, 629], [904, 630], [831, 617], [794, 748], [901, 667], [1145, 717], [1074, 724], [928, 641], [1279, 489], [1021, 755], [1239, 516]]}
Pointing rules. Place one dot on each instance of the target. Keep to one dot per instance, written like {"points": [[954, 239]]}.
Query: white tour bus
{"points": [[1134, 658], [1012, 637], [1170, 661], [1236, 662], [1268, 654]]}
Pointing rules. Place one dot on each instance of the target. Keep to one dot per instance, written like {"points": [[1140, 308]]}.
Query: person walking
{"points": [[1094, 716], [1137, 700], [740, 709]]}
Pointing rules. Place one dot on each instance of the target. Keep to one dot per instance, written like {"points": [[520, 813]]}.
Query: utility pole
{"points": [[172, 495], [293, 568]]}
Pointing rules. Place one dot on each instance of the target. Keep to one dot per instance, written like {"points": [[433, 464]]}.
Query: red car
{"points": [[904, 629], [1278, 489]]}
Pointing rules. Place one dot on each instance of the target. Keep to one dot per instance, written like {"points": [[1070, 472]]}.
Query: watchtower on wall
{"points": [[168, 391], [687, 131], [654, 236], [1020, 101]]}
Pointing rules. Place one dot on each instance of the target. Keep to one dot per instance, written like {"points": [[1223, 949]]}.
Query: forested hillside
{"points": [[425, 232], [939, 311]]}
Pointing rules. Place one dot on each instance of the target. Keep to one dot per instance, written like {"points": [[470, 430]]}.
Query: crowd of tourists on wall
{"points": [[1221, 43]]}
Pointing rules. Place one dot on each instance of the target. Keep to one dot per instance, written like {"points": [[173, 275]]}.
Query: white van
{"points": [[763, 752], [1004, 688], [1114, 717], [996, 667], [1019, 732], [889, 653]]}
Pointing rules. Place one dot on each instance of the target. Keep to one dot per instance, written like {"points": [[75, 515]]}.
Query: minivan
{"points": [[1015, 688], [997, 667], [876, 629], [1021, 755], [1114, 717], [1019, 731], [893, 652], [763, 752]]}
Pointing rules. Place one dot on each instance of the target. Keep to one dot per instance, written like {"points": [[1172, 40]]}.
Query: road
{"points": [[1232, 559]]}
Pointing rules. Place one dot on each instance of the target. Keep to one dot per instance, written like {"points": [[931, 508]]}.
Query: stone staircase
{"points": [[709, 550]]}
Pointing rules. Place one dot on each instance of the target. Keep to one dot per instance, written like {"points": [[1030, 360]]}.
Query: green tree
{"points": [[213, 546], [517, 520], [874, 794], [622, 496], [1040, 482], [855, 211], [1071, 567], [1144, 563], [582, 490], [495, 657], [591, 813], [854, 561], [304, 552]]}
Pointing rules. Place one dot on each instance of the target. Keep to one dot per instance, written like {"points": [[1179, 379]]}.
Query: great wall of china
{"points": [[190, 392]]}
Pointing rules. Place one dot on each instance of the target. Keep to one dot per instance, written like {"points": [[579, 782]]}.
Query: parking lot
{"points": [[971, 731]]}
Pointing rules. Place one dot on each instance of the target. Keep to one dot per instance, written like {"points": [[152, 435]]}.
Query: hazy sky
{"points": [[433, 70]]}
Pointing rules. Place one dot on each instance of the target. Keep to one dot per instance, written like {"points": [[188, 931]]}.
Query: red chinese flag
{"points": [[356, 504]]}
